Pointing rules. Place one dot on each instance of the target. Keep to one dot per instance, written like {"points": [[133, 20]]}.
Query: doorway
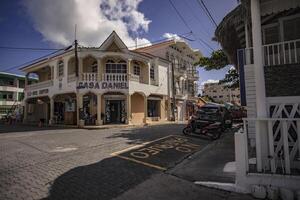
{"points": [[114, 111]]}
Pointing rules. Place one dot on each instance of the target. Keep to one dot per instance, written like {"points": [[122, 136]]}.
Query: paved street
{"points": [[59, 163]]}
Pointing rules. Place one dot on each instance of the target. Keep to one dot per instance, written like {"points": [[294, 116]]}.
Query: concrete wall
{"points": [[137, 108]]}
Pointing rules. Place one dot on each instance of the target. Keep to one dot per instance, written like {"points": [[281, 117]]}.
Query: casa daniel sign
{"points": [[102, 85]]}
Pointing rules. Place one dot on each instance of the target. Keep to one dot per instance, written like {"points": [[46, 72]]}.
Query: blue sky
{"points": [[49, 24]]}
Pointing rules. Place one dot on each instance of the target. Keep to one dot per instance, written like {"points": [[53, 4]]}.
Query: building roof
{"points": [[168, 43]]}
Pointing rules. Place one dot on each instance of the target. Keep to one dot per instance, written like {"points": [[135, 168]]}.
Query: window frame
{"points": [[152, 72], [60, 66]]}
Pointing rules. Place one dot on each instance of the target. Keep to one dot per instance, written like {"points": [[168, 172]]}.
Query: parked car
{"points": [[215, 112]]}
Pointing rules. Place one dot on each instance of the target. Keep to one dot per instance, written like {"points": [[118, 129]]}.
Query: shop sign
{"points": [[102, 85]]}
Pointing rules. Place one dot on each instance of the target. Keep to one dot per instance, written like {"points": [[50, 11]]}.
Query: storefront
{"points": [[114, 108]]}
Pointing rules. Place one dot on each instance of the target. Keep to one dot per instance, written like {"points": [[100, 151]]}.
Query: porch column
{"points": [[258, 59], [128, 69], [99, 72], [259, 78], [80, 122], [51, 111], [145, 109], [99, 120], [80, 64], [149, 78], [128, 121]]}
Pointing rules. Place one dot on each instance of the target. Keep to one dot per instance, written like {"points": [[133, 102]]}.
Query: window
{"points": [[119, 67], [271, 34], [291, 29], [136, 68], [60, 68], [152, 73], [94, 67]]}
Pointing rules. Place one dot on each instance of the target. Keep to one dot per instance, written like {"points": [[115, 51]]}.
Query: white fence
{"points": [[114, 77], [280, 53], [40, 85], [89, 76], [277, 145]]}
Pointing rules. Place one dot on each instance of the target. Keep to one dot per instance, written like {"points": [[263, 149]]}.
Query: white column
{"points": [[149, 78], [258, 59], [128, 108], [99, 120], [145, 109], [259, 77], [51, 110], [128, 69], [79, 103], [99, 74]]}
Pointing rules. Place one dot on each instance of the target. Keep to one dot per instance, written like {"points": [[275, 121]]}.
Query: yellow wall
{"points": [[137, 108]]}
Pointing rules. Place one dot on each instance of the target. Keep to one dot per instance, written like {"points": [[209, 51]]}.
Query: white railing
{"points": [[134, 77], [113, 77], [277, 141], [280, 53], [39, 85], [89, 76]]}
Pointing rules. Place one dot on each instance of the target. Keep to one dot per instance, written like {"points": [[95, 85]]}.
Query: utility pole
{"points": [[174, 91], [76, 55]]}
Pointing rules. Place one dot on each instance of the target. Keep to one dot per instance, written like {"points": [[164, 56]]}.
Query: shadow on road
{"points": [[106, 179], [4, 128]]}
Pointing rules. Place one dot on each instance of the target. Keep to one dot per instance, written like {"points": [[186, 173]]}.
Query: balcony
{"points": [[89, 77], [280, 53], [40, 85], [114, 77]]}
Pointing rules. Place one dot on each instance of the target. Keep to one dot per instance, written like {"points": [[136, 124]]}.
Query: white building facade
{"points": [[221, 94], [184, 81], [114, 86]]}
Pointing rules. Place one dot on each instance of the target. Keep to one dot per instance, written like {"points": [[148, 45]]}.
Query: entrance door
{"points": [[114, 111]]}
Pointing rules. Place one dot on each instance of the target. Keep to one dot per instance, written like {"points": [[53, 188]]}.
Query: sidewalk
{"points": [[178, 183]]}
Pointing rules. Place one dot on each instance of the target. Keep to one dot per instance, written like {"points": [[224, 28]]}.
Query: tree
{"points": [[219, 60]]}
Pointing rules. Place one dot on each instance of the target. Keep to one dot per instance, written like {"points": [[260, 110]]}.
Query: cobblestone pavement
{"points": [[59, 163]]}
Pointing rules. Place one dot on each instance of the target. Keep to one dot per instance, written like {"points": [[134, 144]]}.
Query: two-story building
{"points": [[184, 79], [113, 85], [11, 92]]}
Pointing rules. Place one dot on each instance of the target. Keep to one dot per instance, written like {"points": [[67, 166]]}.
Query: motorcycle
{"points": [[210, 129]]}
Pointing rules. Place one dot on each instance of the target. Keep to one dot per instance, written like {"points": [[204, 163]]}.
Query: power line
{"points": [[186, 24], [37, 59], [28, 48], [206, 11]]}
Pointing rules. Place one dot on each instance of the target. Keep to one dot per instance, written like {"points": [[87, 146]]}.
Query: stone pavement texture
{"points": [[58, 163]]}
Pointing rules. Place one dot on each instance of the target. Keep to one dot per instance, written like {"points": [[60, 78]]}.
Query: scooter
{"points": [[210, 129]]}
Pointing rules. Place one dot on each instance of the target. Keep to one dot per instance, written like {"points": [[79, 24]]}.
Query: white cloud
{"points": [[171, 36], [95, 20], [209, 81]]}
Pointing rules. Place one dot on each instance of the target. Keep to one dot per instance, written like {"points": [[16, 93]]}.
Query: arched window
{"points": [[60, 71], [136, 68], [119, 67]]}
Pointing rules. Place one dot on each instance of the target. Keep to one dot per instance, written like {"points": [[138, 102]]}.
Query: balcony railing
{"points": [[39, 85], [277, 141], [71, 78], [114, 77], [280, 53], [134, 77], [89, 76]]}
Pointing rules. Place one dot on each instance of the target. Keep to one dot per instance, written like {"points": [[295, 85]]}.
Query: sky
{"points": [[50, 24]]}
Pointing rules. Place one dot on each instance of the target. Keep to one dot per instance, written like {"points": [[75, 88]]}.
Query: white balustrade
{"points": [[283, 143], [89, 76], [280, 53], [114, 77], [134, 77], [39, 85], [71, 78]]}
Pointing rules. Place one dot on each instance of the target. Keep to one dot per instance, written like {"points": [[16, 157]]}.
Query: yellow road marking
{"points": [[143, 163]]}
